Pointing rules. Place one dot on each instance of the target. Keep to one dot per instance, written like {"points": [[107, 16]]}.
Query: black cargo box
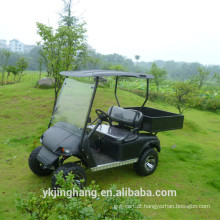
{"points": [[156, 120]]}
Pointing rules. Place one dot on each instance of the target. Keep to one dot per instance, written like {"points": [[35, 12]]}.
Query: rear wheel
{"points": [[35, 166], [147, 162], [73, 168]]}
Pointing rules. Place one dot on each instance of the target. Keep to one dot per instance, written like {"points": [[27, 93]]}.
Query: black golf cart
{"points": [[117, 137]]}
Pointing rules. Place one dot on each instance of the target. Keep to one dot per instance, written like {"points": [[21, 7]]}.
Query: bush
{"points": [[191, 99], [81, 207], [139, 92], [158, 96], [212, 104]]}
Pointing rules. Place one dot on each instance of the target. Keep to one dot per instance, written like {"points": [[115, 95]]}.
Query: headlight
{"points": [[61, 150]]}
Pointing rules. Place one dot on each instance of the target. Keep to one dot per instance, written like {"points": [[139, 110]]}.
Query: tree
{"points": [[199, 79], [216, 77], [12, 69], [92, 62], [61, 46], [184, 96], [66, 17], [45, 61], [137, 57], [4, 59], [21, 64], [81, 58], [203, 75], [158, 73], [117, 67], [40, 63]]}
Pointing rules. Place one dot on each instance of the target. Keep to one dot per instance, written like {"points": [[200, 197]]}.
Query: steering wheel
{"points": [[103, 116]]}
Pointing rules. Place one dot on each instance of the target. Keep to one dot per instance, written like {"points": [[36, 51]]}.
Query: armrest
{"points": [[130, 133]]}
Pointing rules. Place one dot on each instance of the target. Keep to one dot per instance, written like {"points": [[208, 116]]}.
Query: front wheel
{"points": [[147, 162], [73, 168], [35, 166]]}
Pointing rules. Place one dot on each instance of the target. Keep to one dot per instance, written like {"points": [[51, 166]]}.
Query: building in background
{"points": [[3, 44], [16, 46]]}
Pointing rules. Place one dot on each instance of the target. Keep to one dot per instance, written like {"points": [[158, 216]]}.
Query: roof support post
{"points": [[89, 111], [116, 86], [147, 94]]}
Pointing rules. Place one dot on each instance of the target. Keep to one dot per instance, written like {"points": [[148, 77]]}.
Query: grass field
{"points": [[188, 163]]}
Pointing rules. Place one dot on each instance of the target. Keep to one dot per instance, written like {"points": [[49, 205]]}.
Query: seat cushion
{"points": [[128, 117], [114, 133]]}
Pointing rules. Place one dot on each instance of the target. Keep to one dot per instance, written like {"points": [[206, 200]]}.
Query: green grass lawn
{"points": [[188, 163]]}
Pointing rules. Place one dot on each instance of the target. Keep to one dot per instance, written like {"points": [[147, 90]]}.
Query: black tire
{"points": [[147, 162], [74, 168], [35, 166]]}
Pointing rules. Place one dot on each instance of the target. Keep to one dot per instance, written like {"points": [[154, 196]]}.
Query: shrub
{"points": [[158, 96], [212, 104], [86, 207]]}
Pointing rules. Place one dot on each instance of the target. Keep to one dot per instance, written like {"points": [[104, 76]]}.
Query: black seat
{"points": [[129, 117], [129, 123], [114, 134]]}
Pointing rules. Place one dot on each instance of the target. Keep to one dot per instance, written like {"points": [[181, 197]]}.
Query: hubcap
{"points": [[78, 183], [150, 163], [42, 166]]}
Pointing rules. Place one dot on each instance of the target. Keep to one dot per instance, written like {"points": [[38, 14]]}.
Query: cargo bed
{"points": [[156, 120]]}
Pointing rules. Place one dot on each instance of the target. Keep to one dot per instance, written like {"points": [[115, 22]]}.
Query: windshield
{"points": [[73, 103]]}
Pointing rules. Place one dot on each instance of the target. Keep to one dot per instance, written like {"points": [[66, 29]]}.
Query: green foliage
{"points": [[212, 104], [66, 17], [36, 206], [217, 78], [40, 62], [13, 69], [60, 48], [117, 207], [137, 57], [158, 96], [117, 67], [43, 59], [200, 78], [206, 99], [158, 73], [96, 60], [92, 62], [184, 96], [196, 179], [22, 64], [4, 59], [79, 207]]}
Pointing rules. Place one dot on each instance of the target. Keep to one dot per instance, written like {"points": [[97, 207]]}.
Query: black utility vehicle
{"points": [[117, 137]]}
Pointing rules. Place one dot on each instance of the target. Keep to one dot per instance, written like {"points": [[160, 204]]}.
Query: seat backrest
{"points": [[128, 117]]}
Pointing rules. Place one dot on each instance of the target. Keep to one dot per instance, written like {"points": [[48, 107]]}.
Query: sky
{"points": [[179, 30]]}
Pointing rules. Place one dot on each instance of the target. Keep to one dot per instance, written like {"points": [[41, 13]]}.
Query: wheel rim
{"points": [[77, 182], [42, 166], [150, 162]]}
